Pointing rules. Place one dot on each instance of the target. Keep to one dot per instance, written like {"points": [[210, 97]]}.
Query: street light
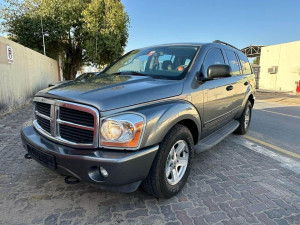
{"points": [[43, 36]]}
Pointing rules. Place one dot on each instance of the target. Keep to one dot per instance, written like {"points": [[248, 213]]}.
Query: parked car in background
{"points": [[137, 122]]}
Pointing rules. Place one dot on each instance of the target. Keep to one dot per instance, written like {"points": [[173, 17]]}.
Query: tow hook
{"points": [[27, 156], [71, 180]]}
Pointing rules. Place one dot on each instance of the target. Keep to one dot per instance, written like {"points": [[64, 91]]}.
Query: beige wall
{"points": [[287, 57], [29, 73]]}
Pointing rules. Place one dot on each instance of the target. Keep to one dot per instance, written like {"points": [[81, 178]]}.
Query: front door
{"points": [[218, 94]]}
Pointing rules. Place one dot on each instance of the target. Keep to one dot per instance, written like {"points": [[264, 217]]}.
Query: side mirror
{"points": [[218, 70]]}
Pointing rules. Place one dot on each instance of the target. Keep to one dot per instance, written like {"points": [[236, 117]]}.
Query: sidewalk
{"points": [[284, 98]]}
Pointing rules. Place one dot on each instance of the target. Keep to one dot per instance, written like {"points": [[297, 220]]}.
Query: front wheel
{"points": [[245, 119], [172, 164]]}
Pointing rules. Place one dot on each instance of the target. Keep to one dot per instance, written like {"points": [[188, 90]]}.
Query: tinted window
{"points": [[233, 62], [214, 56], [245, 63]]}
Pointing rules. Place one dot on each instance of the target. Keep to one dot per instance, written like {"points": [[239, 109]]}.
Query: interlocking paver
{"points": [[183, 217], [229, 184], [264, 219], [276, 213], [228, 210], [199, 220], [248, 216], [239, 202], [258, 207], [215, 217]]}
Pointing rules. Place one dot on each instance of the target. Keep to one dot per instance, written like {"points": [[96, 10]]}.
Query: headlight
{"points": [[122, 131]]}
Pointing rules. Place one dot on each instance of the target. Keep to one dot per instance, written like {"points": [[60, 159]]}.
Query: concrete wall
{"points": [[287, 57], [29, 73]]}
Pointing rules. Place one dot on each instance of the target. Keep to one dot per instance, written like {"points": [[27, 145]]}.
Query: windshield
{"points": [[170, 62]]}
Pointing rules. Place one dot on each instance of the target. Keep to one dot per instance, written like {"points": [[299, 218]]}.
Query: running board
{"points": [[216, 137]]}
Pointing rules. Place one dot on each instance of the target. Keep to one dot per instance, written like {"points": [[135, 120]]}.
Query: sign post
{"points": [[10, 54]]}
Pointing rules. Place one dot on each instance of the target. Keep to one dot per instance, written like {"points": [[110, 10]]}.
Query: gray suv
{"points": [[140, 121]]}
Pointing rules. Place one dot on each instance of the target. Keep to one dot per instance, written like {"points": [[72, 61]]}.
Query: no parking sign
{"points": [[10, 54]]}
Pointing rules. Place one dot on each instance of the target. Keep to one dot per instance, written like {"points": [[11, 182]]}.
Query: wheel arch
{"points": [[249, 96], [251, 99], [167, 116], [192, 126]]}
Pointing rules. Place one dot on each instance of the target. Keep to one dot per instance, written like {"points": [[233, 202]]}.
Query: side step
{"points": [[216, 137]]}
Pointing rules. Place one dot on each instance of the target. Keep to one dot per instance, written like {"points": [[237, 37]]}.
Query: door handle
{"points": [[246, 83], [229, 88]]}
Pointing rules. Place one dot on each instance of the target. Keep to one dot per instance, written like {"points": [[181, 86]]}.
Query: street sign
{"points": [[10, 54]]}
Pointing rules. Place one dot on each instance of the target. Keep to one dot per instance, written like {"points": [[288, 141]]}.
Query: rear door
{"points": [[238, 79], [247, 74], [218, 93]]}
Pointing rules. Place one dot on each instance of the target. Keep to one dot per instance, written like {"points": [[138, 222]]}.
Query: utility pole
{"points": [[43, 36]]}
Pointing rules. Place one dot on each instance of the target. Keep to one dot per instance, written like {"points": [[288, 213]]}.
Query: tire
{"points": [[157, 183], [245, 119]]}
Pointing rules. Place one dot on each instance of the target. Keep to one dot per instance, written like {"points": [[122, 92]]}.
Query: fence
{"points": [[23, 72]]}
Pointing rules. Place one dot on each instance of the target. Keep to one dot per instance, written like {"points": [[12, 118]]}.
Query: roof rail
{"points": [[224, 43]]}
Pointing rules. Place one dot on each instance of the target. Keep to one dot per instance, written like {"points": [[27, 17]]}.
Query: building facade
{"points": [[280, 67]]}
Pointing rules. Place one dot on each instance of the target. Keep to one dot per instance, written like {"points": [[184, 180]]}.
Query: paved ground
{"points": [[236, 182], [291, 99]]}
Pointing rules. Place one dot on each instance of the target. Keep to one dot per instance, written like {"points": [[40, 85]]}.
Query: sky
{"points": [[238, 22]]}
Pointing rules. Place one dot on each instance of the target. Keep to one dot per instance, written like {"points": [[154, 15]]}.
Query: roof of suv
{"points": [[216, 43]]}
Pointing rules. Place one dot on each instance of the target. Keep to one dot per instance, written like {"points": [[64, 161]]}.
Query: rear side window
{"points": [[214, 56], [245, 63], [233, 62]]}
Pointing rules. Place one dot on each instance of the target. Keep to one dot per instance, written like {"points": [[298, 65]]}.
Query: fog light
{"points": [[103, 172]]}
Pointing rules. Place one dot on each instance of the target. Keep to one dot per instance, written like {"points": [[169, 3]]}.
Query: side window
{"points": [[245, 63], [233, 62], [214, 56]]}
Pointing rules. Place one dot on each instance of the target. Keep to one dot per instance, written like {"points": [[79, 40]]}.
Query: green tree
{"points": [[256, 60], [81, 31]]}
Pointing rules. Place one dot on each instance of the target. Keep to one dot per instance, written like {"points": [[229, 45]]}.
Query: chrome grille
{"points": [[43, 108], [44, 123], [76, 134], [66, 122], [75, 116]]}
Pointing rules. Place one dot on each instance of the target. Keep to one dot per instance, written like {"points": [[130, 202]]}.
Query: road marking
{"points": [[285, 160], [283, 114], [272, 146]]}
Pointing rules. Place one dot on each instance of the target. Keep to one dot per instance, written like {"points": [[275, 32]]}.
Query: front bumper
{"points": [[126, 169]]}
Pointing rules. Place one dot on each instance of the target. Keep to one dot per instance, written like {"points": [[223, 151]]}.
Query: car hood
{"points": [[107, 92]]}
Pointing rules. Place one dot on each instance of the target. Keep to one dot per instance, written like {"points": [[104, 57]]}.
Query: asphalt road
{"points": [[276, 125]]}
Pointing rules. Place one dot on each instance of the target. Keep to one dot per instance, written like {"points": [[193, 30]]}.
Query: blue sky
{"points": [[239, 22]]}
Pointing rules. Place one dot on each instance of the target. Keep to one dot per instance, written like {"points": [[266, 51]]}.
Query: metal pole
{"points": [[43, 36], [96, 46]]}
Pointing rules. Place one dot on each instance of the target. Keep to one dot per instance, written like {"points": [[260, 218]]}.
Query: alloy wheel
{"points": [[247, 117], [177, 162]]}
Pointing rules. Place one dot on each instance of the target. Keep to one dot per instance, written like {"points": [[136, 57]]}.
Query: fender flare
{"points": [[248, 93], [165, 117]]}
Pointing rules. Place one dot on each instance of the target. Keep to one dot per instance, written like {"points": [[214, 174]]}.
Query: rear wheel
{"points": [[172, 164], [245, 119]]}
